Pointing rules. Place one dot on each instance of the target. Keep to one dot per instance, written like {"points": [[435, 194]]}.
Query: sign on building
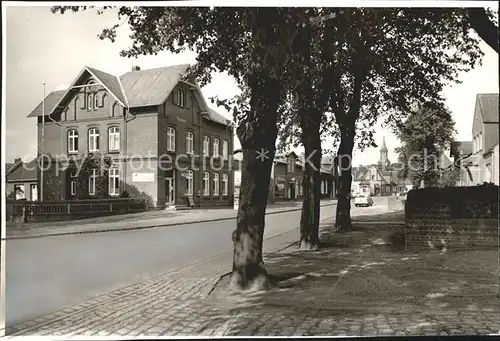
{"points": [[237, 185], [143, 177]]}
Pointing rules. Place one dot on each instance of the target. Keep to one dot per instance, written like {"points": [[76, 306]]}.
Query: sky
{"points": [[42, 47]]}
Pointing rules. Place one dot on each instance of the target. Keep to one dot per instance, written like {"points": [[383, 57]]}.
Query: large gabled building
{"points": [[165, 143]]}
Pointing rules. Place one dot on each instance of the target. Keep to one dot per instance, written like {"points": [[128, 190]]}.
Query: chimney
{"points": [[136, 68], [17, 160]]}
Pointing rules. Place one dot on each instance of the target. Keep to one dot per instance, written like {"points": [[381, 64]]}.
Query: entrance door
{"points": [[292, 191], [169, 191]]}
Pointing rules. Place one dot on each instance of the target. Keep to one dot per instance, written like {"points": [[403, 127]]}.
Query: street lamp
{"points": [[41, 145]]}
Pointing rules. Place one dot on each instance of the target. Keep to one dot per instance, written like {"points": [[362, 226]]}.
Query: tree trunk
{"points": [[336, 175], [258, 137], [309, 220], [248, 265], [309, 120], [343, 219], [483, 26]]}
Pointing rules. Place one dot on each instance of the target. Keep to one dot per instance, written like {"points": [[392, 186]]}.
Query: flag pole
{"points": [[41, 145]]}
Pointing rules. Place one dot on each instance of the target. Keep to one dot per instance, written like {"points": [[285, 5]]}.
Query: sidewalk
{"points": [[351, 286], [138, 221]]}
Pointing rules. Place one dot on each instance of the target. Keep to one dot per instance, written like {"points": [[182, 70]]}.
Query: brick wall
{"points": [[435, 229]]}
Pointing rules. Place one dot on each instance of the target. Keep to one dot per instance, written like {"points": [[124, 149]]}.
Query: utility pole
{"points": [[41, 144]]}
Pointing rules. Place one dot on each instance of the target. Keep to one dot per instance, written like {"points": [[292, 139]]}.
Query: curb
{"points": [[379, 222], [13, 329], [33, 236]]}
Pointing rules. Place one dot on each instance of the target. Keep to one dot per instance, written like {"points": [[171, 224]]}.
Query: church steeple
{"points": [[384, 161], [384, 147]]}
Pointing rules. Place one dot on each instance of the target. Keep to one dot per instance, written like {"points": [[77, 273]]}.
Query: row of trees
{"points": [[308, 73]]}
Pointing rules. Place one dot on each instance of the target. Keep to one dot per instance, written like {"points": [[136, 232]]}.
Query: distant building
{"points": [[144, 120], [381, 178], [478, 160], [287, 176], [21, 180]]}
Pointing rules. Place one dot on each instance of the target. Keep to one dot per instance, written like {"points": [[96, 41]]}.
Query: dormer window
{"points": [[90, 101], [91, 95], [96, 101], [180, 98]]}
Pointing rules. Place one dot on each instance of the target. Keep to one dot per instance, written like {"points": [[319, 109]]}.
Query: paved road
{"points": [[46, 274]]}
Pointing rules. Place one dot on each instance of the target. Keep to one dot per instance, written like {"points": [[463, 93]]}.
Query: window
{"points": [[480, 141], [34, 192], [90, 101], [102, 99], [114, 139], [189, 182], [225, 184], [19, 191], [114, 181], [488, 173], [206, 184], [373, 177], [93, 140], [73, 141], [72, 183], [92, 180], [216, 185], [96, 101], [215, 152], [189, 143], [225, 148], [206, 146], [291, 165], [171, 139], [180, 98]]}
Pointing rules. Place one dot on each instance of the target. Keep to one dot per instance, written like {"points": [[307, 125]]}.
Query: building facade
{"points": [[381, 179], [21, 180], [478, 160], [288, 175], [165, 144]]}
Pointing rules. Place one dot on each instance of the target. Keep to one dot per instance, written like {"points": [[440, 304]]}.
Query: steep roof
{"points": [[219, 118], [136, 88], [50, 102], [445, 161], [8, 168], [465, 147], [25, 172], [111, 82], [390, 176], [358, 173], [151, 86], [488, 103]]}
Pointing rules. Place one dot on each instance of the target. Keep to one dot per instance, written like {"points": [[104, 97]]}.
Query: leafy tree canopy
{"points": [[425, 135]]}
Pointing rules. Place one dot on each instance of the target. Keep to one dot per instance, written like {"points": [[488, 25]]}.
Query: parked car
{"points": [[402, 195], [363, 200]]}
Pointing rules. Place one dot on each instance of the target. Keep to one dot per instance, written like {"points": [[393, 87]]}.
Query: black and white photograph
{"points": [[229, 169]]}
